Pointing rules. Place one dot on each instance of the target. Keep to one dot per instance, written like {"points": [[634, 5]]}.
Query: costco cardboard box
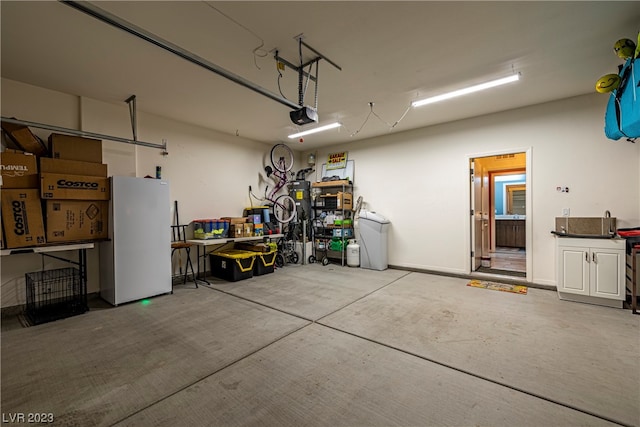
{"points": [[20, 138], [72, 167], [75, 148], [18, 170], [22, 218], [74, 187], [74, 220]]}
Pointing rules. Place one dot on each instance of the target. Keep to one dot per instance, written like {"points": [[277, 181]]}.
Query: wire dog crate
{"points": [[55, 294]]}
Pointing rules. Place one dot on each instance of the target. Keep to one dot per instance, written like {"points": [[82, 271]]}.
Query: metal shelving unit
{"points": [[330, 238]]}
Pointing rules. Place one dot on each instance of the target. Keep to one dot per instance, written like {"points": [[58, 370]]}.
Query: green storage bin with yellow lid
{"points": [[232, 264]]}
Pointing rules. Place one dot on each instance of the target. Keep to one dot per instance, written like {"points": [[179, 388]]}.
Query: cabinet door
{"points": [[573, 270], [520, 240], [607, 274], [510, 233], [501, 235]]}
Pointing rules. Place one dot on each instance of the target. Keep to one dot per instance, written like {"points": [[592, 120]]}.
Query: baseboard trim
{"points": [[494, 277]]}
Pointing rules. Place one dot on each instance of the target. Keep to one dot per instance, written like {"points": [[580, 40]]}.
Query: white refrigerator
{"points": [[135, 263]]}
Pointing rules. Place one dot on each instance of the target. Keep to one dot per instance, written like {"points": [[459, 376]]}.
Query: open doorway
{"points": [[499, 214]]}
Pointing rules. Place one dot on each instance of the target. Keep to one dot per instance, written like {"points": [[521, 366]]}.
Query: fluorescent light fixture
{"points": [[316, 130], [468, 90]]}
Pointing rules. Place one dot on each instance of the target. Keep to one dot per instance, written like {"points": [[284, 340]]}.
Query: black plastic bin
{"points": [[55, 294], [232, 264], [265, 263]]}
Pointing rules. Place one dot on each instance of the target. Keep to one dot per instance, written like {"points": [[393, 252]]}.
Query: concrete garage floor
{"points": [[331, 346]]}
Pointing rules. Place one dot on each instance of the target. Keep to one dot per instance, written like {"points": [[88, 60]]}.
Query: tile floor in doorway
{"points": [[513, 259]]}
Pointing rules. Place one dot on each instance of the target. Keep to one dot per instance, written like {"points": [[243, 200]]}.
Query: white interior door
{"points": [[476, 215], [484, 209]]}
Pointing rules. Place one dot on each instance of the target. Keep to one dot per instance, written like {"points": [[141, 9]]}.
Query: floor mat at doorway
{"points": [[494, 286]]}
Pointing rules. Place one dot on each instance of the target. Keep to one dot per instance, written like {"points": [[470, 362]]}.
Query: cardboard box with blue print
{"points": [[74, 187], [22, 218]]}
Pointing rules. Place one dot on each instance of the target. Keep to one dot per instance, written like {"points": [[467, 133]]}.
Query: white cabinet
{"points": [[591, 270]]}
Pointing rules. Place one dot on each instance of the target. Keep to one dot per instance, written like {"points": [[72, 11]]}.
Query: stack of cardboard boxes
{"points": [[239, 227], [75, 186], [21, 207], [71, 190], [249, 226]]}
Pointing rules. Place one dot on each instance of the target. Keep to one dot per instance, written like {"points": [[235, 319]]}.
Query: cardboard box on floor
{"points": [[22, 218], [19, 137], [69, 147], [18, 170], [75, 220], [74, 187]]}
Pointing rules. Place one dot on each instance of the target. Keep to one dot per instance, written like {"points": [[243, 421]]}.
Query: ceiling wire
{"points": [[402, 117], [258, 51], [365, 120], [391, 126]]}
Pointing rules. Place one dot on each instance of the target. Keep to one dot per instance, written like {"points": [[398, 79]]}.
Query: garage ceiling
{"points": [[391, 53]]}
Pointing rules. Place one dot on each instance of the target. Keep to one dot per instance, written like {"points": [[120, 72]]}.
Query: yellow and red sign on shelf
{"points": [[337, 160]]}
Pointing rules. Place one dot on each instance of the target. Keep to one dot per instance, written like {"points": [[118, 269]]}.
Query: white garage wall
{"points": [[420, 180], [209, 172], [36, 104]]}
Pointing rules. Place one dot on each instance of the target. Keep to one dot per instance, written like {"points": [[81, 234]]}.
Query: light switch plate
{"points": [[566, 211]]}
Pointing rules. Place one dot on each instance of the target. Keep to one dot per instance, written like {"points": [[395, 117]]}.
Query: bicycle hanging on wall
{"points": [[284, 207]]}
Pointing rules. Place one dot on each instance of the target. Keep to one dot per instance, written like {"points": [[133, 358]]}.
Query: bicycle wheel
{"points": [[284, 208], [279, 261], [282, 157]]}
